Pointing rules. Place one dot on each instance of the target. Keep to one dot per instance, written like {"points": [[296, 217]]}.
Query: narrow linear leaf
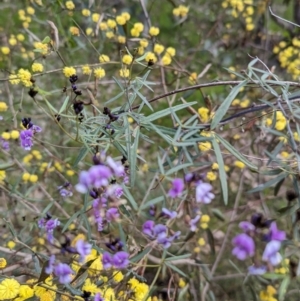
{"points": [[222, 172], [167, 111], [220, 113], [269, 183], [175, 269], [236, 153]]}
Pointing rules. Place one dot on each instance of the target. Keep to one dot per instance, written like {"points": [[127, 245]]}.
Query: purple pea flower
{"points": [[49, 269], [169, 214], [160, 231], [4, 144], [177, 188], [49, 225], [193, 223], [107, 260], [26, 139], [98, 297], [117, 167], [276, 234], [115, 191], [112, 214], [148, 228], [203, 193], [246, 226], [63, 272], [253, 270], [244, 246], [84, 182], [120, 260], [99, 175], [167, 241], [83, 248], [271, 253]]}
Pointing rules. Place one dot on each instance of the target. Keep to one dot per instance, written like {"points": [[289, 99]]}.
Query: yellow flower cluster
{"points": [[103, 58], [35, 154], [241, 6], [29, 177], [44, 293], [211, 176], [204, 220], [9, 289], [123, 18], [14, 134], [137, 29], [239, 164], [280, 123], [289, 56], [268, 294], [24, 76], [124, 73], [153, 31], [3, 263], [86, 12], [284, 269], [127, 59], [69, 5], [86, 69], [37, 67], [43, 48], [26, 19], [204, 114], [99, 72], [3, 106], [2, 175], [69, 71], [181, 11], [140, 290], [74, 31]]}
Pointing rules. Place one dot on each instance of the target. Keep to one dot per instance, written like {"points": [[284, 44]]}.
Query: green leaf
{"points": [[273, 276], [130, 198], [64, 105], [220, 113], [269, 183], [222, 173], [140, 255], [82, 153], [218, 214], [236, 153], [182, 293], [178, 168], [152, 202], [6, 165], [283, 288], [71, 219], [175, 269], [167, 111], [133, 156], [180, 257], [46, 40]]}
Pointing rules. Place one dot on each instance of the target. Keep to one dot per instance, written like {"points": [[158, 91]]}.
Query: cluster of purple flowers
{"points": [[244, 244], [99, 182], [100, 175], [4, 144], [203, 190], [62, 270], [119, 260], [49, 225], [160, 233], [26, 136]]}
